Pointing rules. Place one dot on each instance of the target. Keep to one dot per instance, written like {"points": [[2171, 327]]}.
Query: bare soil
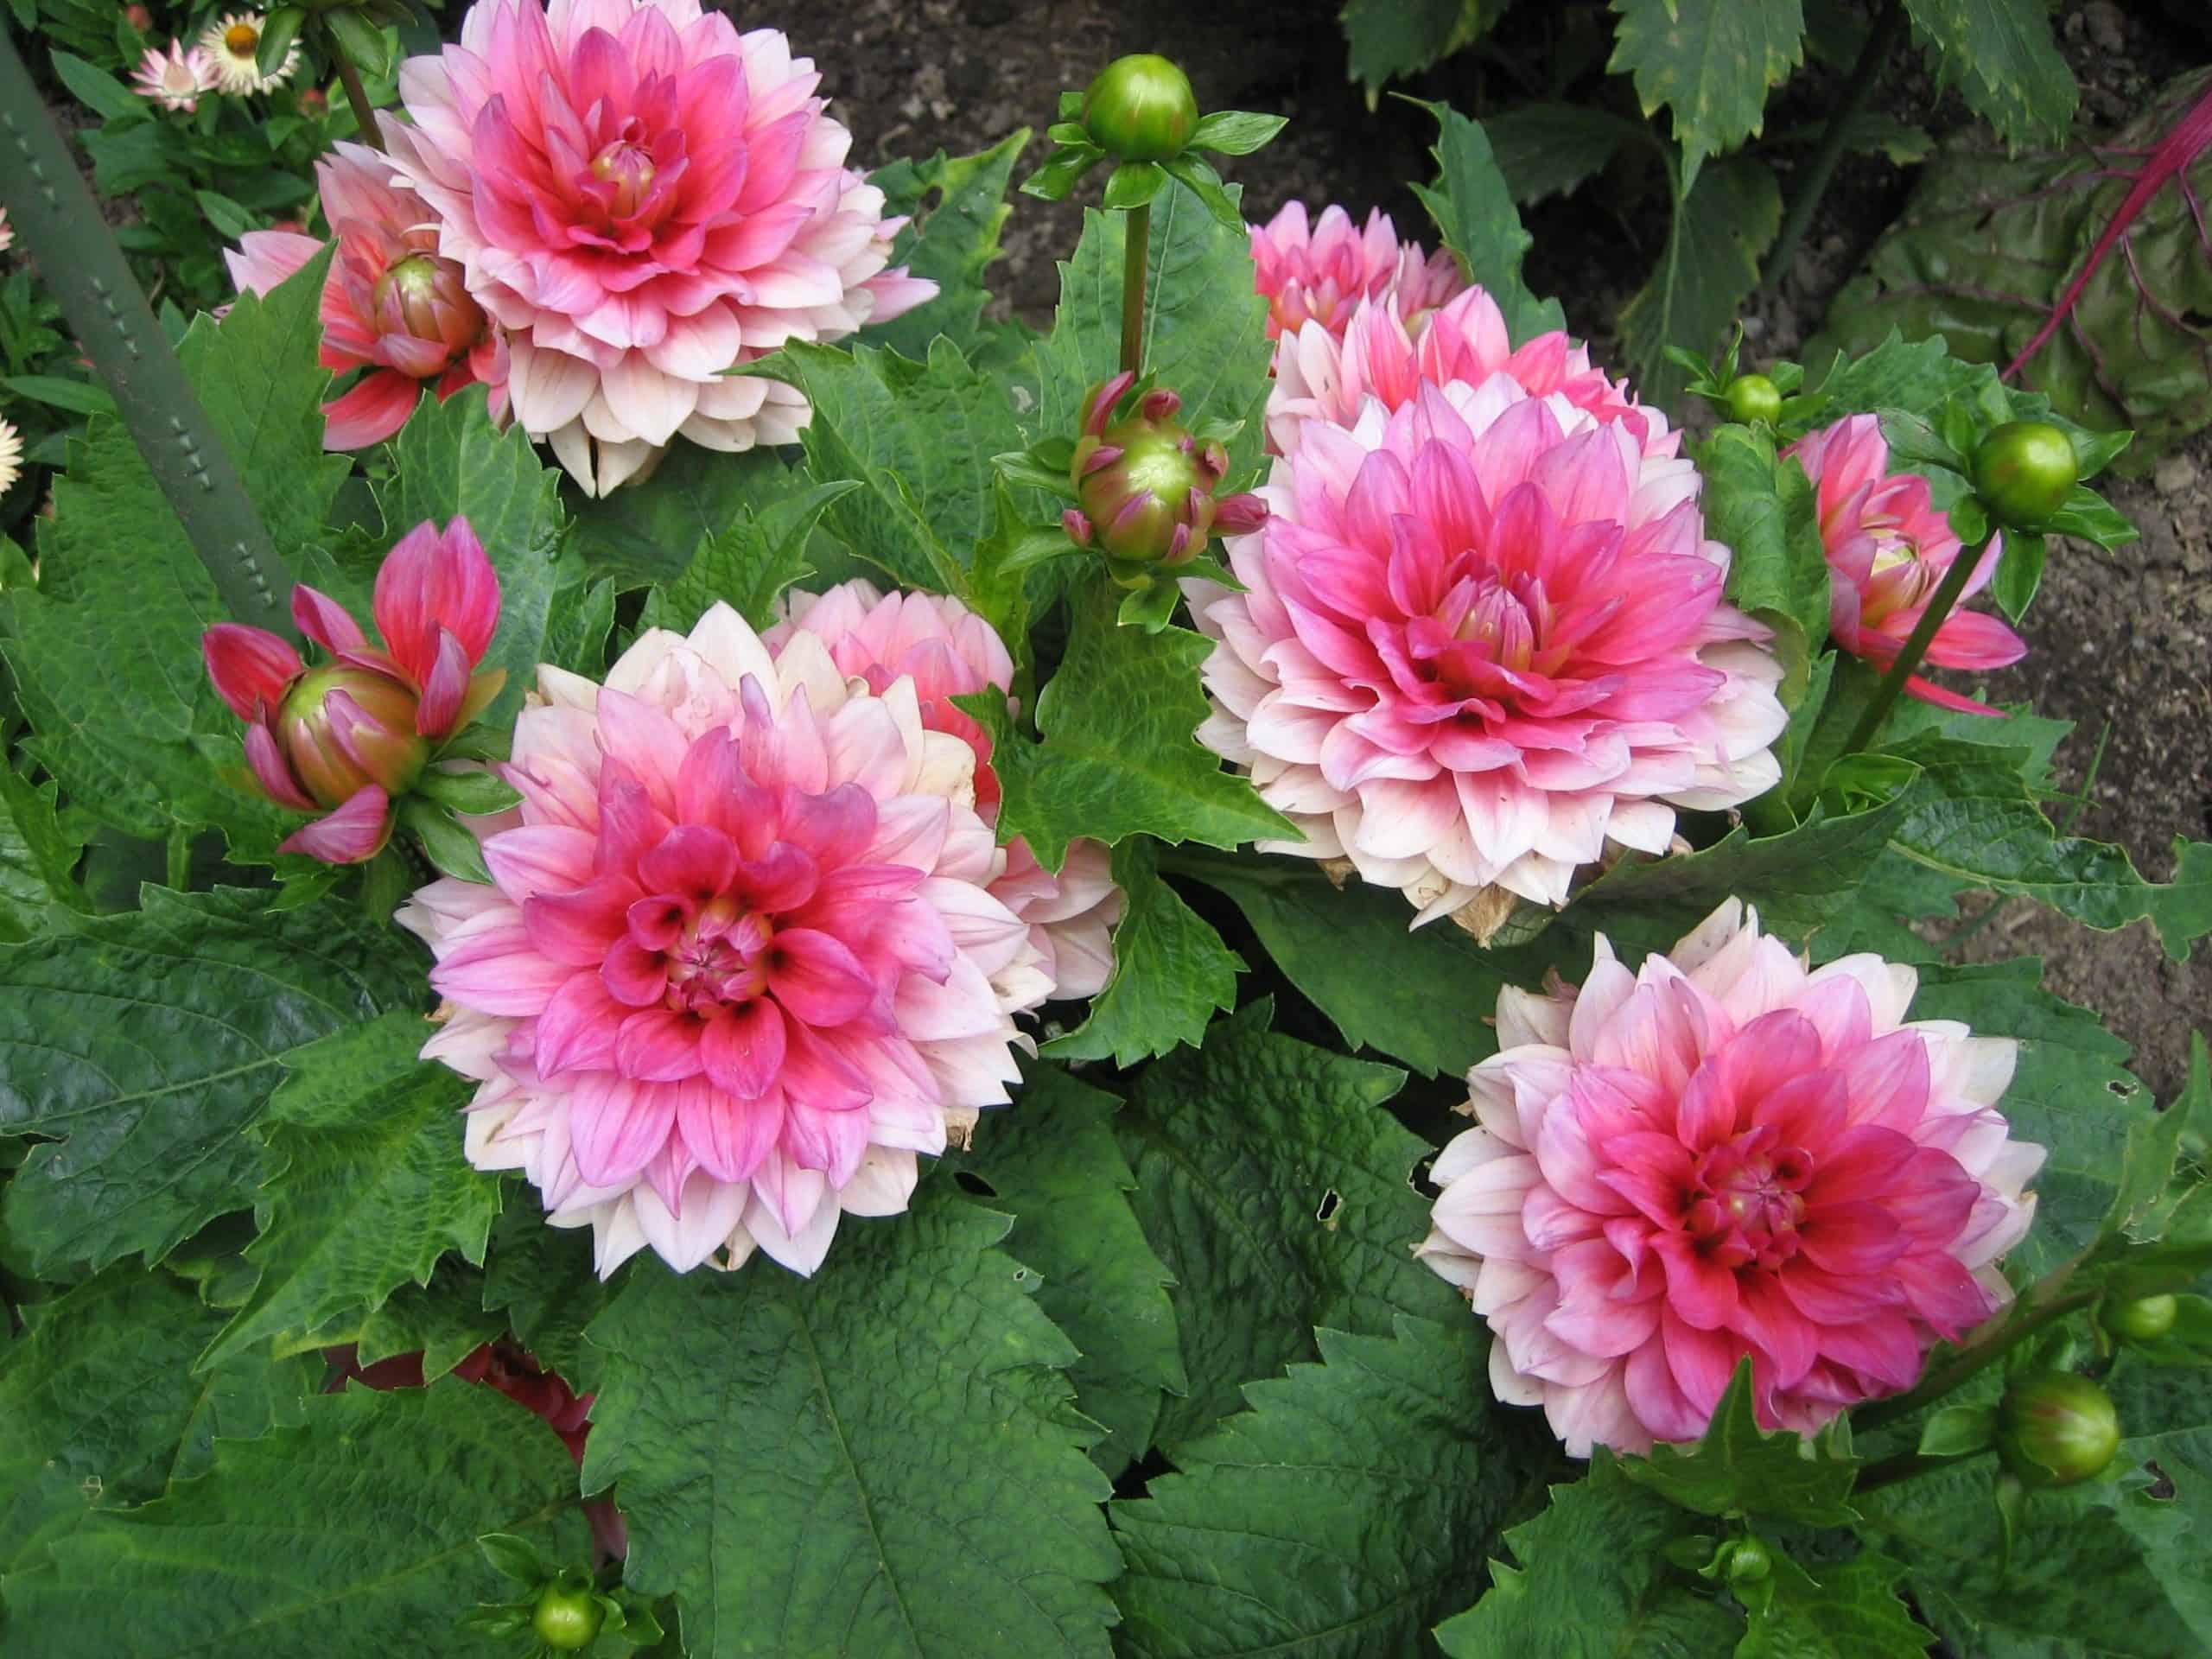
{"points": [[2123, 641]]}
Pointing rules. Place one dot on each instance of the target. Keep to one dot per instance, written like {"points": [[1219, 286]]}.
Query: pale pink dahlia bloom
{"points": [[392, 306], [1725, 1154], [1888, 549], [173, 80], [1325, 375], [740, 962], [645, 198], [1483, 637], [1320, 271], [949, 652]]}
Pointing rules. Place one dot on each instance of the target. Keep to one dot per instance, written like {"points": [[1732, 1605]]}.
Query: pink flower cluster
{"points": [[744, 956], [1725, 1154], [1311, 271], [599, 208], [1888, 551]]}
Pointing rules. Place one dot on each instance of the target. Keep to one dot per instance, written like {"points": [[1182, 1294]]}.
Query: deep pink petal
{"points": [[743, 1050], [251, 667], [349, 835], [324, 621], [817, 978]]}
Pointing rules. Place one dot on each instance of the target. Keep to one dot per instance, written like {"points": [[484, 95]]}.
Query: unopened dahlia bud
{"points": [[2023, 471], [139, 18], [424, 298], [342, 729], [2147, 1318], [1144, 485], [2056, 1428], [1140, 108]]}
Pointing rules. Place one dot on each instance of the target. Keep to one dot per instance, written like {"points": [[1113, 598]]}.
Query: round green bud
{"points": [[2055, 1428], [2023, 471], [1749, 1561], [2145, 1320], [1140, 108], [569, 1615], [1753, 399]]}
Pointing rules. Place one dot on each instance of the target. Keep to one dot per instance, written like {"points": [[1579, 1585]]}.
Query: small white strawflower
{"points": [[11, 456], [232, 43], [174, 80]]}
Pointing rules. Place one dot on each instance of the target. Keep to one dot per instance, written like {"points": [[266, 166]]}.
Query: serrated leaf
{"points": [[1721, 232], [1739, 1468], [99, 1407], [1852, 1613], [919, 438], [149, 1040], [647, 534], [1392, 40], [367, 1186], [444, 1321], [1474, 213], [1592, 1584], [38, 858], [576, 628], [105, 650], [958, 207], [1119, 757], [1545, 149], [1351, 952], [1278, 1193], [1053, 1163], [1709, 61], [1343, 1514], [1172, 973], [801, 1504], [2153, 1148], [373, 1504], [2004, 58], [544, 1281], [1204, 324], [748, 565]]}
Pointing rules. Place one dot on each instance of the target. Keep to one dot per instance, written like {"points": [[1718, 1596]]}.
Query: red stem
{"points": [[2189, 136]]}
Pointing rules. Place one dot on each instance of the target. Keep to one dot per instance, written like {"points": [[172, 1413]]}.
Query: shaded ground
{"points": [[2124, 639]]}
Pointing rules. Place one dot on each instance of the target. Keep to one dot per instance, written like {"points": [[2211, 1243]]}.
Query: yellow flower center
{"points": [[242, 39]]}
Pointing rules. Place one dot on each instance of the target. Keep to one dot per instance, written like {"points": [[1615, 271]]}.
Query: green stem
{"points": [[1903, 1466], [180, 859], [2049, 1303], [1857, 89], [365, 114], [1916, 647], [1135, 257]]}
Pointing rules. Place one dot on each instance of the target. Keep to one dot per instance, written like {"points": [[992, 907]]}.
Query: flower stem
{"points": [[1915, 647], [1858, 87], [2050, 1301], [1135, 257], [365, 114], [1903, 1466]]}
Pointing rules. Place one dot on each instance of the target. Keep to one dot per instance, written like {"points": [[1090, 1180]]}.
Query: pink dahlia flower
{"points": [[1888, 549], [391, 306], [740, 962], [949, 652], [173, 80], [645, 197], [1724, 1155], [1483, 637], [349, 737], [1320, 272], [1322, 375]]}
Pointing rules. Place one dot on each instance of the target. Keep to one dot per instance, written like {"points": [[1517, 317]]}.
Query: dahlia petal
{"points": [[270, 770], [577, 1029], [617, 1126], [324, 621], [372, 411], [251, 668], [744, 1050], [350, 834]]}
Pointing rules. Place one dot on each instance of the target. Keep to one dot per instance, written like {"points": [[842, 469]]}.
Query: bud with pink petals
{"points": [[1144, 484], [349, 737]]}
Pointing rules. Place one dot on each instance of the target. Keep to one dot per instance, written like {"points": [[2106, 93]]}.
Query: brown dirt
{"points": [[2125, 638]]}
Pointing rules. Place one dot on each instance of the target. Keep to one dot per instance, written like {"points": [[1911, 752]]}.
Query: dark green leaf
{"points": [[1343, 1514], [1852, 1613], [1738, 1468], [78, 397], [543, 1280], [1277, 1192], [1764, 509], [1473, 210], [1171, 971], [149, 1040], [1052, 1162], [38, 856], [1592, 1584], [366, 1185], [368, 46], [372, 1506], [455, 850], [1119, 757], [1391, 39], [1198, 175], [914, 1356], [1711, 62], [279, 28], [95, 88], [647, 534], [2002, 55], [749, 564], [1546, 149], [1711, 264], [477, 794], [959, 207]]}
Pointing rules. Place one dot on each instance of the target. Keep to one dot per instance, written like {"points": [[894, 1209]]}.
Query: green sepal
{"points": [[1958, 1432], [1199, 178], [2019, 573], [478, 794], [1062, 170], [1151, 608], [1133, 184], [452, 848], [515, 1558], [1236, 132], [1032, 469]]}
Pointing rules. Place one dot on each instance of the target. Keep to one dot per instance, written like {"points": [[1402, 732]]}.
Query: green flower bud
{"points": [[2055, 1428], [2145, 1320], [365, 735], [2023, 471], [1753, 399], [1141, 109], [568, 1616], [1144, 485]]}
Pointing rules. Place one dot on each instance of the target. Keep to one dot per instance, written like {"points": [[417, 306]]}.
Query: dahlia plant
{"points": [[795, 976]]}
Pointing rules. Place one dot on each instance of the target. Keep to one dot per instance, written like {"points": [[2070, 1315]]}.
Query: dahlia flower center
{"points": [[627, 167], [1749, 1199], [408, 295], [1500, 620], [243, 40], [718, 960]]}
